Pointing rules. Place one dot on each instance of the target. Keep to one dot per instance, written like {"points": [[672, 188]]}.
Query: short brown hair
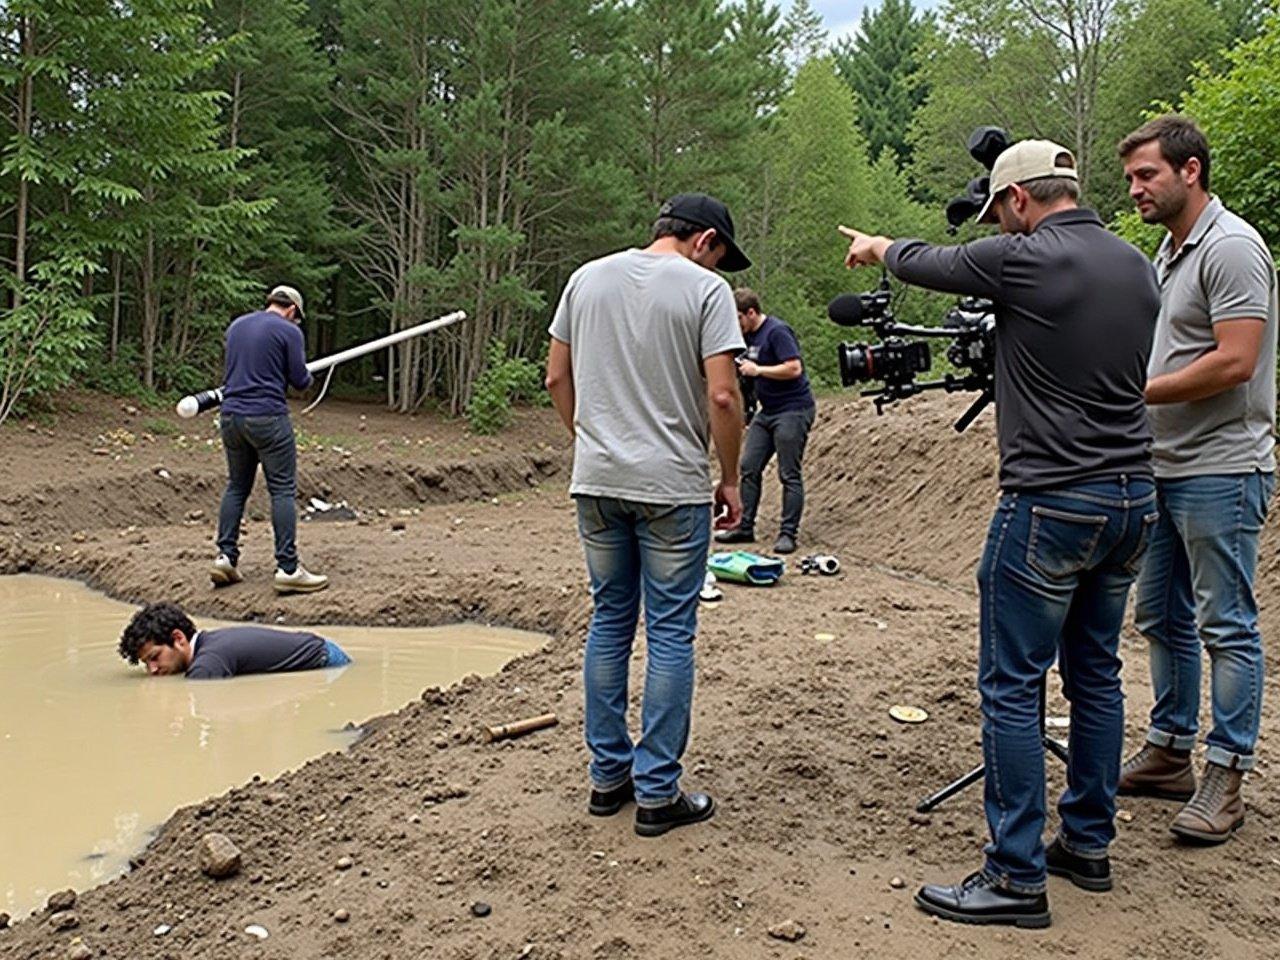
{"points": [[1049, 189], [1180, 139], [746, 299]]}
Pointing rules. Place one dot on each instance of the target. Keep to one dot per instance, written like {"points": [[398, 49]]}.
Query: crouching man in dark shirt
{"points": [[1075, 311], [164, 640]]}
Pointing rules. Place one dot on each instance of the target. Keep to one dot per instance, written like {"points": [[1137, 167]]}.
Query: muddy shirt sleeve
{"points": [[972, 269], [1238, 276]]}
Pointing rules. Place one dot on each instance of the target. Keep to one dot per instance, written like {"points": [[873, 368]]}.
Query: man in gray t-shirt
{"points": [[641, 369], [1211, 393]]}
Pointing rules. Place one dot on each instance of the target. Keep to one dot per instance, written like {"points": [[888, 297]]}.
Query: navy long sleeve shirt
{"points": [[265, 356]]}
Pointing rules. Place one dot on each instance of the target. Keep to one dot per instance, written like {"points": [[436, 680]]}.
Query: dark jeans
{"points": [[1196, 590], [656, 554], [249, 441], [786, 433], [1053, 582]]}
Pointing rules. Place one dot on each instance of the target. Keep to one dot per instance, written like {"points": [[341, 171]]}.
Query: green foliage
{"points": [[44, 337], [1238, 111], [505, 380], [881, 63]]}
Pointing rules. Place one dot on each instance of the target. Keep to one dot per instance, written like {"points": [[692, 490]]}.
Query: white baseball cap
{"points": [[1027, 160], [285, 296]]}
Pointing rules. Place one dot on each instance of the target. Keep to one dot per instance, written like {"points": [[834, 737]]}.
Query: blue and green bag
{"points": [[743, 567]]}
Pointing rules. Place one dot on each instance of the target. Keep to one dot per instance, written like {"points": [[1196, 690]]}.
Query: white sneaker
{"points": [[223, 572], [300, 581]]}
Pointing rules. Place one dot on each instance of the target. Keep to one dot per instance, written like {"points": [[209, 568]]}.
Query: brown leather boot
{"points": [[1217, 809], [1158, 772]]}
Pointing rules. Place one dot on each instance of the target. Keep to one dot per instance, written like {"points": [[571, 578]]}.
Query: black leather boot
{"points": [[982, 899], [688, 808], [1085, 872], [605, 803]]}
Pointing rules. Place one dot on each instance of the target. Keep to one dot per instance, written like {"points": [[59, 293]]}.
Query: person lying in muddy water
{"points": [[164, 640]]}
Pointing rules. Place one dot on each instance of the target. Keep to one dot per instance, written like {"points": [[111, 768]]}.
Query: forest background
{"points": [[164, 162]]}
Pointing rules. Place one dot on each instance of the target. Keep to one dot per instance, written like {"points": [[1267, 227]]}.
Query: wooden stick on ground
{"points": [[518, 728]]}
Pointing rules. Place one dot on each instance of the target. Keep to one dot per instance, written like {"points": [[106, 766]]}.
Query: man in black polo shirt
{"points": [[773, 364], [1075, 314], [165, 641]]}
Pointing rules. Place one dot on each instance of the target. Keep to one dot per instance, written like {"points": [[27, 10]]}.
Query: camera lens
{"points": [[855, 363]]}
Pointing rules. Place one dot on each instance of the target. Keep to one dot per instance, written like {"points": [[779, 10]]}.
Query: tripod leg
{"points": [[951, 789]]}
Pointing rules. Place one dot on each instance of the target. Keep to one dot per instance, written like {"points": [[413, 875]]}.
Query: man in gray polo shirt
{"points": [[640, 364], [1212, 401]]}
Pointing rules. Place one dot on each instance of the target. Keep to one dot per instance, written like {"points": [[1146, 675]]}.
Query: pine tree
{"points": [[881, 65], [805, 34]]}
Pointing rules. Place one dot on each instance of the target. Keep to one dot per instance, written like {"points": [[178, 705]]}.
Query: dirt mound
{"points": [[816, 785]]}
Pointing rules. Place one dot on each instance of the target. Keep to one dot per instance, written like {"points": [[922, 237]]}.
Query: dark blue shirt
{"points": [[265, 355], [235, 651], [772, 343]]}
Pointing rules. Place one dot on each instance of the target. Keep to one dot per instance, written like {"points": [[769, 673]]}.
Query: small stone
{"points": [[257, 930], [481, 909], [161, 930], [788, 930], [1124, 816], [219, 857], [345, 863], [897, 883], [62, 900], [64, 920], [79, 951], [397, 525], [920, 819], [341, 915], [195, 514]]}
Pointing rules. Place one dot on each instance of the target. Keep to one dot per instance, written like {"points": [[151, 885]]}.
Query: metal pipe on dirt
{"points": [[189, 406]]}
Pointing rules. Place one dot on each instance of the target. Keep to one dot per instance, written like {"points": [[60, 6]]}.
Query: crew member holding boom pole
{"points": [[265, 355]]}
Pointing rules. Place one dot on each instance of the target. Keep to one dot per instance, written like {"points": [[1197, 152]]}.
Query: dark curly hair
{"points": [[154, 623]]}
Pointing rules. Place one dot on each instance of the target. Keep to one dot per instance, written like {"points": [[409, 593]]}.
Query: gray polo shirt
{"points": [[638, 326], [1075, 311], [1222, 271]]}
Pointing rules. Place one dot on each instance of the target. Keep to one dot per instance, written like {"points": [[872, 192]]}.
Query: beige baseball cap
{"points": [[285, 295], [1026, 160]]}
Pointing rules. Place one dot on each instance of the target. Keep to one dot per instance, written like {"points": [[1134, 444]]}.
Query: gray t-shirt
{"points": [[1223, 271], [638, 326]]}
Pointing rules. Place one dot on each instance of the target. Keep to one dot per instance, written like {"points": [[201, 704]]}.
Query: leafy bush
{"points": [[505, 379]]}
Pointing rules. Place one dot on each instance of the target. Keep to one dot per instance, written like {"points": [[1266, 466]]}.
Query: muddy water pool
{"points": [[94, 755]]}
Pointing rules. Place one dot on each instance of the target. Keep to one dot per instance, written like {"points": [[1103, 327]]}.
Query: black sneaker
{"points": [[1084, 872], [785, 543], [688, 808], [983, 900], [605, 803], [736, 535]]}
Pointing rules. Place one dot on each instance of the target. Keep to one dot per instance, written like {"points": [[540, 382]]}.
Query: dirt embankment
{"points": [[816, 784]]}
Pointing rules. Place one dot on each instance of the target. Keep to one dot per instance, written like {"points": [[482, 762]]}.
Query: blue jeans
{"points": [[1053, 582], [1197, 587], [249, 441], [658, 552], [336, 656]]}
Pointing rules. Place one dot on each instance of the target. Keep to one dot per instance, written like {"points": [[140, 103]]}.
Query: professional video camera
{"points": [[970, 323]]}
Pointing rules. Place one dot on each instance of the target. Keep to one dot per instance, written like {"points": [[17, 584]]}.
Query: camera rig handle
{"points": [[892, 393]]}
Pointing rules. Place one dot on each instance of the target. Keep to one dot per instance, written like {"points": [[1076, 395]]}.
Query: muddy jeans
{"points": [[1196, 589], [1053, 582], [658, 553], [249, 441]]}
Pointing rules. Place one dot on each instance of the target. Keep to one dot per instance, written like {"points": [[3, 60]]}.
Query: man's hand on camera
{"points": [[749, 368], [728, 506], [864, 249]]}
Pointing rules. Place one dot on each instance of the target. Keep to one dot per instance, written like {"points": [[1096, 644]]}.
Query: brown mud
{"points": [[816, 784]]}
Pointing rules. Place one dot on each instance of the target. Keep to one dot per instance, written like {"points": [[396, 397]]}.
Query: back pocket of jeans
{"points": [[1061, 544], [1134, 563]]}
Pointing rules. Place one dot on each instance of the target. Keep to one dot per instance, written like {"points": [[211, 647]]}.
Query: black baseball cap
{"points": [[706, 211]]}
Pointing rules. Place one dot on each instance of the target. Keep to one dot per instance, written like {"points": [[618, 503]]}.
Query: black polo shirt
{"points": [[1076, 310]]}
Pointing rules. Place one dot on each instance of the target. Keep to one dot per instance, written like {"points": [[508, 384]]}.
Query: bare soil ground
{"points": [[816, 784]]}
